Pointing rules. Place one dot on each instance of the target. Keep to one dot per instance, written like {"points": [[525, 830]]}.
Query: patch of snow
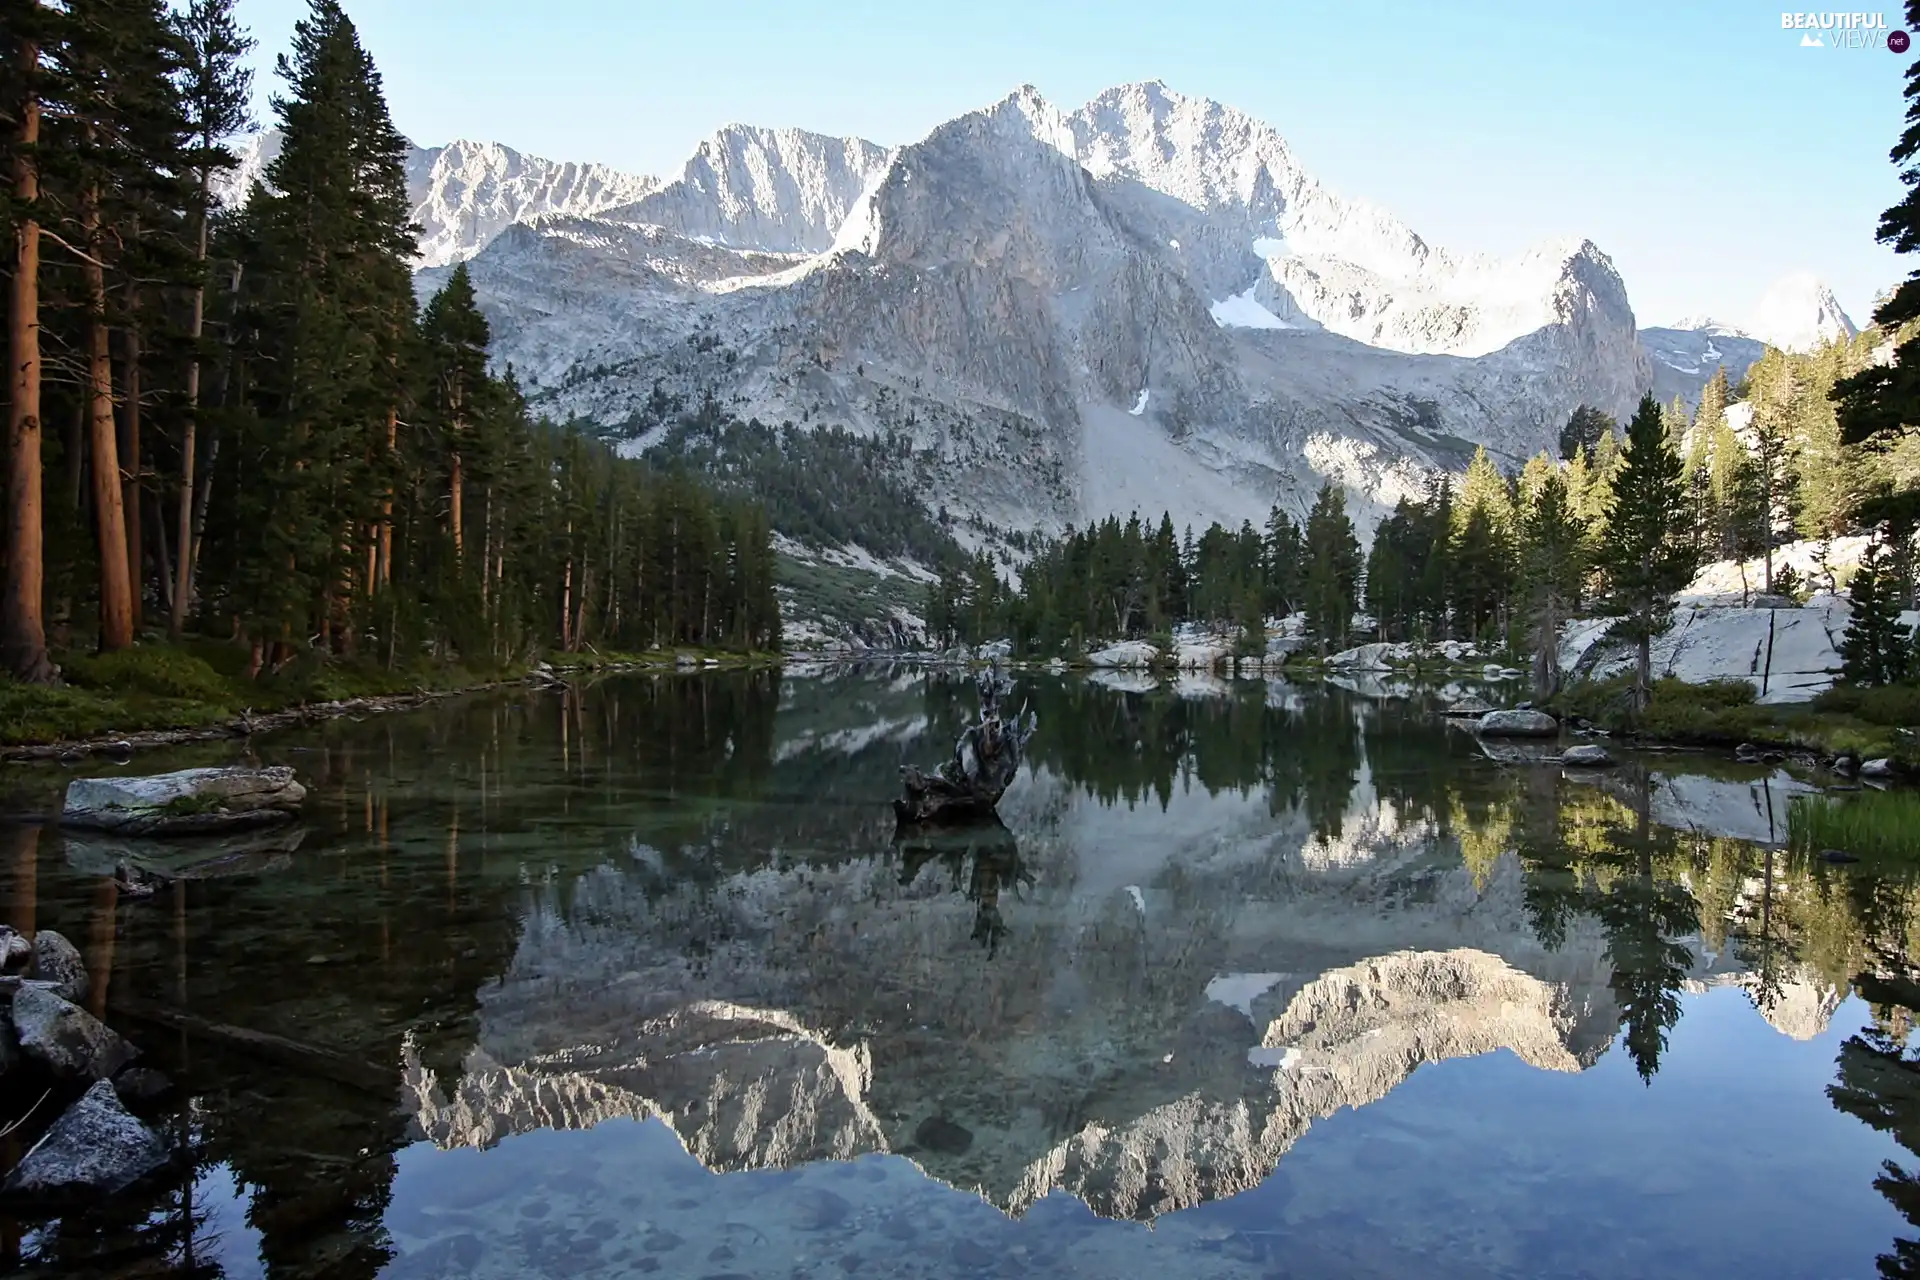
{"points": [[1270, 247], [1240, 311], [1139, 899], [1140, 405], [1173, 244], [1240, 990], [1278, 1057]]}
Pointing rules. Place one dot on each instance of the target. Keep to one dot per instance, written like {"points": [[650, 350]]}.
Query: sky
{"points": [[1695, 141]]}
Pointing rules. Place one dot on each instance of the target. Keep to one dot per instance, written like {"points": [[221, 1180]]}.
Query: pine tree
{"points": [[1333, 568], [1886, 398], [216, 86], [126, 136], [1875, 650], [1645, 553], [1553, 565], [1583, 431]]}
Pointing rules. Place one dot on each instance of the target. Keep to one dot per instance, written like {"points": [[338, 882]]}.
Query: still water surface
{"points": [[1256, 980]]}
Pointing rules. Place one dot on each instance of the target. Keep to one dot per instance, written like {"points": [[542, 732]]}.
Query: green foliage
{"points": [[1876, 649], [869, 500], [1646, 554], [1870, 824], [164, 671], [1333, 568], [1584, 430]]}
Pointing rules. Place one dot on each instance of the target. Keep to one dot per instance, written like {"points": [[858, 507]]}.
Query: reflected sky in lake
{"points": [[1253, 979]]}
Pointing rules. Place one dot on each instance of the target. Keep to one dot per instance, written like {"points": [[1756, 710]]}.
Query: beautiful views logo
{"points": [[1845, 31]]}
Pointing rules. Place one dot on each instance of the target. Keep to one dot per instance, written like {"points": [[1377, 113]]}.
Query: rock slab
{"points": [[1518, 724], [96, 1146], [68, 1039], [186, 802], [1586, 756]]}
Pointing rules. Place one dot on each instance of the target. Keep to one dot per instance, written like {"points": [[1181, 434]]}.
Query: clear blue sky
{"points": [[1693, 140]]}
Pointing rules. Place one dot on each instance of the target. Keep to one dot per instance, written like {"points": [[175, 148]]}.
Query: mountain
{"points": [[1146, 303], [465, 193], [1685, 355], [778, 190], [1798, 313]]}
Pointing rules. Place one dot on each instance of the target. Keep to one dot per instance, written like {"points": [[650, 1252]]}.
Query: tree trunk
{"points": [[1643, 672], [456, 482], [23, 636], [386, 504], [109, 517], [196, 329], [130, 455]]}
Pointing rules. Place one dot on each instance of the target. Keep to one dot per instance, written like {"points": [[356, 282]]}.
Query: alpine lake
{"points": [[1254, 979]]}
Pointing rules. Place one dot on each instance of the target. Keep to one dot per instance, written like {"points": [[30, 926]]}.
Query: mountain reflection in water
{"points": [[642, 977]]}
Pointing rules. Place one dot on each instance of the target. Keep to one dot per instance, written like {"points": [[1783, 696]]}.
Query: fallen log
{"points": [[328, 1064]]}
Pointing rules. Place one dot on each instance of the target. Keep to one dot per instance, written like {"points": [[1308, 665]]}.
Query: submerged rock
{"points": [[1587, 756], [1518, 724], [189, 801], [58, 961], [1468, 707], [68, 1039], [96, 1146], [234, 854]]}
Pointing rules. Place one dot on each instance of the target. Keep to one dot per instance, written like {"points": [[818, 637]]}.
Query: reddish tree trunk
{"points": [[109, 517], [23, 635]]}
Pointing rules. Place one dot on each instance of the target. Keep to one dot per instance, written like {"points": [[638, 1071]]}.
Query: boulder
{"points": [[15, 949], [1131, 653], [1586, 756], [1845, 766], [190, 801], [995, 651], [1518, 724], [95, 1146], [66, 1038], [1370, 657], [1200, 655], [1881, 768], [1280, 648], [58, 961]]}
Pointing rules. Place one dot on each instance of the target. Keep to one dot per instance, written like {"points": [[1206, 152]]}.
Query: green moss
{"points": [[189, 806], [165, 671]]}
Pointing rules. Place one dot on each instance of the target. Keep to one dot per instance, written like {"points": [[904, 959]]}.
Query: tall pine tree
{"points": [[1645, 553]]}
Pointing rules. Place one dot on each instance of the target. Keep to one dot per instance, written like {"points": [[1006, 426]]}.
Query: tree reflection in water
{"points": [[982, 859]]}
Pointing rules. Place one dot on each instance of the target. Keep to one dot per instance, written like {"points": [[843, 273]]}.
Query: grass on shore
{"points": [[1869, 824], [196, 683], [1865, 724]]}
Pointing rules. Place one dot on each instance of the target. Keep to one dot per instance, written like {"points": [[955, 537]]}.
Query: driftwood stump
{"points": [[985, 762]]}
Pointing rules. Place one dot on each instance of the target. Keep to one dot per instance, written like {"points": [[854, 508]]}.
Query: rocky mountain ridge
{"points": [[1144, 303]]}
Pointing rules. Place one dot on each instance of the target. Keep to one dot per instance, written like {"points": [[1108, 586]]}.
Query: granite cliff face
{"points": [[1143, 303]]}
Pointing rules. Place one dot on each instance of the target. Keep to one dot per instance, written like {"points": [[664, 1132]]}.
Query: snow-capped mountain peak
{"points": [[1798, 313]]}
